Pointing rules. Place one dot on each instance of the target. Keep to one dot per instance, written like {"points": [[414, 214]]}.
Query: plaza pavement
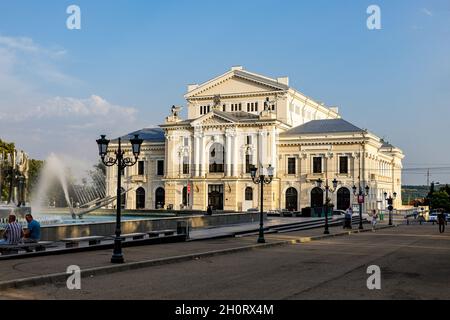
{"points": [[413, 261], [39, 268]]}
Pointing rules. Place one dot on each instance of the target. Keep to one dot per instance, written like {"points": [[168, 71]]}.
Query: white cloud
{"points": [[40, 122], [28, 45]]}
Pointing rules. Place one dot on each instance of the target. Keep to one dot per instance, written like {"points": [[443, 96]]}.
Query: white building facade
{"points": [[241, 119]]}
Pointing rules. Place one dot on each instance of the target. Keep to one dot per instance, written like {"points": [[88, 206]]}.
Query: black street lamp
{"points": [[327, 199], [122, 162], [361, 198], [390, 202], [262, 180]]}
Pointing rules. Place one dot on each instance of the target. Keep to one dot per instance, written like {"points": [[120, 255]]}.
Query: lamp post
{"points": [[390, 202], [121, 162], [327, 199], [262, 180], [361, 197]]}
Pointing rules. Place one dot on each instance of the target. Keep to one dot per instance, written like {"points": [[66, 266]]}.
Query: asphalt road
{"points": [[414, 263]]}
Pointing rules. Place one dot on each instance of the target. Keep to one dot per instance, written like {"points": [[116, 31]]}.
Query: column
{"points": [[274, 157], [197, 148], [201, 157], [234, 156], [228, 145], [261, 146]]}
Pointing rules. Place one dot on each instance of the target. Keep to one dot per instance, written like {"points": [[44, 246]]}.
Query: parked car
{"points": [[432, 217], [253, 210]]}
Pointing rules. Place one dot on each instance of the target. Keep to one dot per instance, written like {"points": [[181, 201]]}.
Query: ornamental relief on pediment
{"points": [[214, 121]]}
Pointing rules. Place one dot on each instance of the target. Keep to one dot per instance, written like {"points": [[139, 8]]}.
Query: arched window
{"points": [[248, 194], [140, 198], [216, 158]]}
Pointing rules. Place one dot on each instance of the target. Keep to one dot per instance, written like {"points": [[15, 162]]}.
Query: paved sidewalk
{"points": [[48, 265], [223, 231]]}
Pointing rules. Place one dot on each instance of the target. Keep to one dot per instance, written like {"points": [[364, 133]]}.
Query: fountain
{"points": [[79, 199], [53, 169]]}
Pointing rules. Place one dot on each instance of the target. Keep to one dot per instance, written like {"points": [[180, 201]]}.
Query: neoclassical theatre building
{"points": [[240, 119]]}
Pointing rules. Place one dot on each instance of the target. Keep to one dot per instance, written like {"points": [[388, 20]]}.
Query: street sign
{"points": [[361, 199]]}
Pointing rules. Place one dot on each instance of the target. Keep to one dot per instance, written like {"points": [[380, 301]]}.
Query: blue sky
{"points": [[132, 60]]}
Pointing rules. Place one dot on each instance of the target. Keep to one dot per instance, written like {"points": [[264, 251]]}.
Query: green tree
{"points": [[440, 199], [6, 148]]}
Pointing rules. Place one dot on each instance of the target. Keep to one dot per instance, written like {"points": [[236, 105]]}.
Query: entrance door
{"points": [[291, 199], [160, 198], [215, 196], [343, 199], [140, 198], [316, 202]]}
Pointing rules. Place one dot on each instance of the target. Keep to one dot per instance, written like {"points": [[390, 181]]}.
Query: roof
{"points": [[241, 73], [324, 126], [147, 134], [386, 144]]}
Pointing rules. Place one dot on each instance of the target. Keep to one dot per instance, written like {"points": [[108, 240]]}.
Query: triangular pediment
{"points": [[236, 82], [212, 119]]}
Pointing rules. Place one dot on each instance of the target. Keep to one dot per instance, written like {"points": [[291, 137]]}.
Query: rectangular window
{"points": [[224, 108], [186, 165], [343, 165], [256, 106], [249, 139], [248, 163], [248, 107], [291, 166], [141, 168], [160, 169], [317, 165], [240, 106], [186, 142]]}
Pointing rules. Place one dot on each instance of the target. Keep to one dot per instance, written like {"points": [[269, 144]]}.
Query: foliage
{"points": [[440, 199]]}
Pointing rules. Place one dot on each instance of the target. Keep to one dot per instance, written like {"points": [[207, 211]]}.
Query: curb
{"points": [[90, 272]]}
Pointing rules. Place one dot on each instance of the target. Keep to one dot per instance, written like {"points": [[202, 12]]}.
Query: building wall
{"points": [[190, 142]]}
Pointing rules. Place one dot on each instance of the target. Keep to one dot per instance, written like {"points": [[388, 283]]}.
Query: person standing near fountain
{"points": [[33, 232], [13, 232]]}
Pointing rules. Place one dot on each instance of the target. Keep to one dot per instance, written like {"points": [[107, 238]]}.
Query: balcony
{"points": [[315, 176], [138, 178]]}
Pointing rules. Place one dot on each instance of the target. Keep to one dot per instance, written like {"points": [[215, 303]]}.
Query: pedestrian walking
{"points": [[441, 221], [374, 219], [348, 218]]}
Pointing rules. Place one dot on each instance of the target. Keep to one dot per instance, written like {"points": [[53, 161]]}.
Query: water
{"points": [[53, 170], [52, 220]]}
